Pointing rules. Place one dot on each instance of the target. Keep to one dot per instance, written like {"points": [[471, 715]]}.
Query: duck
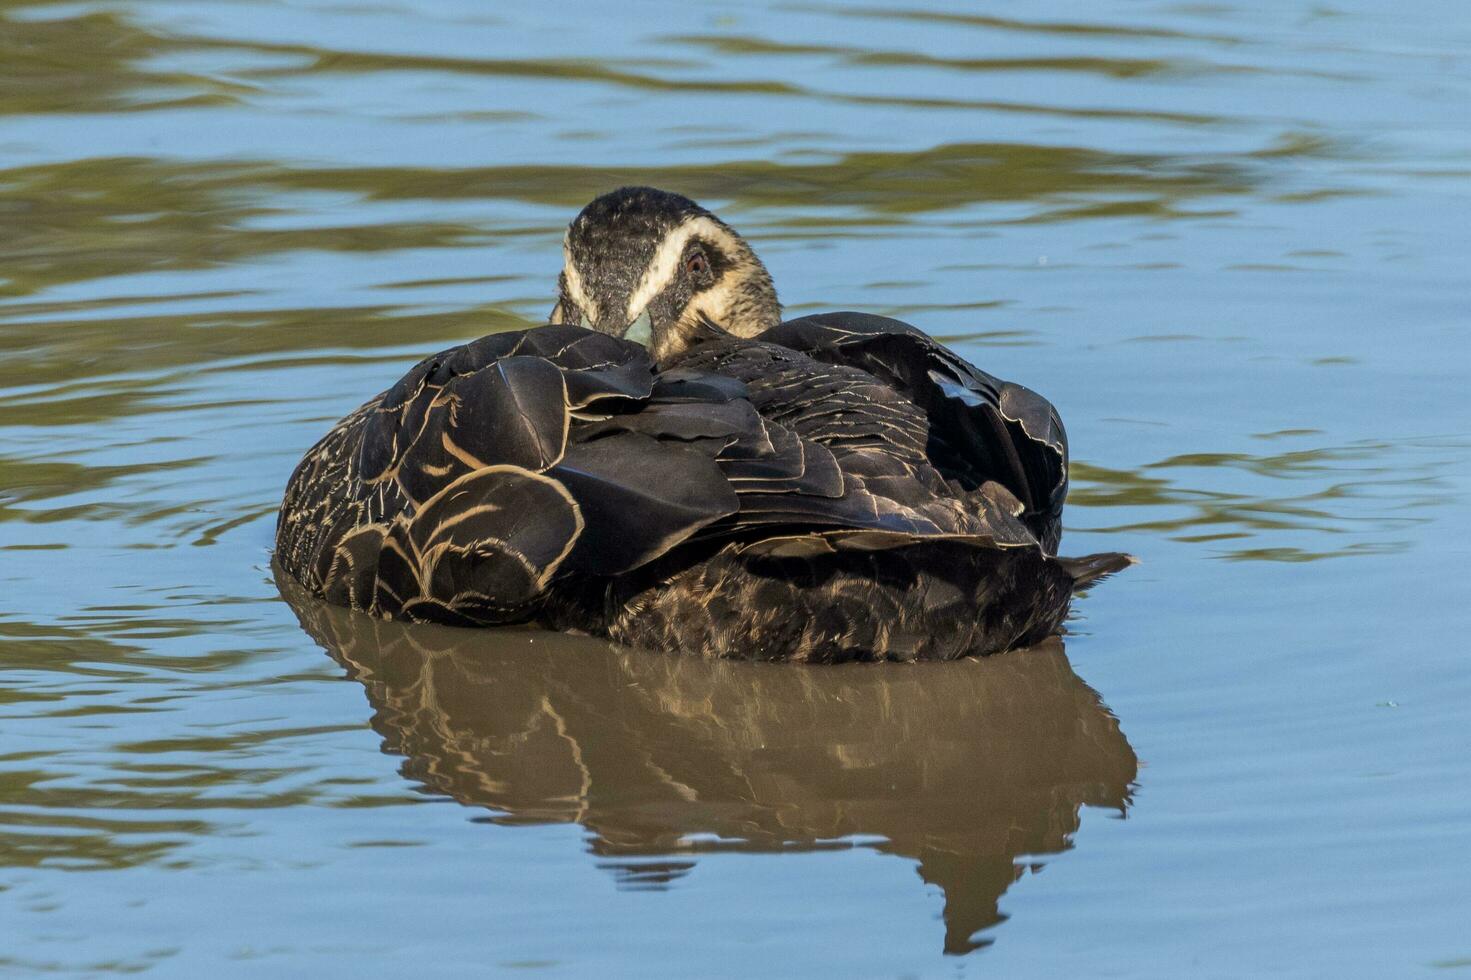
{"points": [[669, 464]]}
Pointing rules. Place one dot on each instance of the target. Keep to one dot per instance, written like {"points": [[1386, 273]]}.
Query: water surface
{"points": [[1228, 240]]}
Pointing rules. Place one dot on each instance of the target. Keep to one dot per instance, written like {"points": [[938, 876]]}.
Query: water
{"points": [[1228, 240]]}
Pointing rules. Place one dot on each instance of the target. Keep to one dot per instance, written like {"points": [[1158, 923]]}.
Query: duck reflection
{"points": [[969, 768]]}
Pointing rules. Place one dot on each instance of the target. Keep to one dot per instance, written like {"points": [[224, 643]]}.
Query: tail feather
{"points": [[1090, 568]]}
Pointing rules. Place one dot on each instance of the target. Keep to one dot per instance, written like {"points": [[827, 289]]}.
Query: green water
{"points": [[1230, 241]]}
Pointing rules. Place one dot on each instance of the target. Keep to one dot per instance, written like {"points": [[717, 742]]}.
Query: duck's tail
{"points": [[1090, 568]]}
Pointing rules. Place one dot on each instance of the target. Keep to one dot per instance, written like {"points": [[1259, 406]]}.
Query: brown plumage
{"points": [[831, 488]]}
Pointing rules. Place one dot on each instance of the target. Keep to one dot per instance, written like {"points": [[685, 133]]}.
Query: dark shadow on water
{"points": [[969, 769]]}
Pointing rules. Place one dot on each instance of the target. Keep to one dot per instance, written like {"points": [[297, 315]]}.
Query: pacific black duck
{"points": [[670, 466]]}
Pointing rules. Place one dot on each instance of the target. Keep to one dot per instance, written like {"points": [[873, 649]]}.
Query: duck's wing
{"points": [[494, 470], [833, 456], [461, 492], [981, 428]]}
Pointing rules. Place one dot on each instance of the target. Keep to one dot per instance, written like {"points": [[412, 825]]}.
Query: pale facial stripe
{"points": [[665, 262], [576, 292]]}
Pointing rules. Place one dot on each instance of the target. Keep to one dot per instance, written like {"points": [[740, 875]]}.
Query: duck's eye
{"points": [[697, 265]]}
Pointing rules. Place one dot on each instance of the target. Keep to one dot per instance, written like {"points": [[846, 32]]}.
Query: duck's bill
{"points": [[641, 330]]}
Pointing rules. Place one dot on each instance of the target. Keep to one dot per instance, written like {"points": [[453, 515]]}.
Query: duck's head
{"points": [[657, 268]]}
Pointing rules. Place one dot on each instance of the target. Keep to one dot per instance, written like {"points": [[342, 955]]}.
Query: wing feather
{"points": [[492, 471], [980, 427]]}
